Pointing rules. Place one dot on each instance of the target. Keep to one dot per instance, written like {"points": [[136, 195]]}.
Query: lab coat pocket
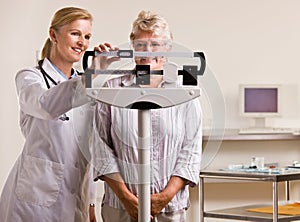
{"points": [[39, 181]]}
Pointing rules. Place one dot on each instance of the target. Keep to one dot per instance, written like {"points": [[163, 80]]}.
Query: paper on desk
{"points": [[288, 209]]}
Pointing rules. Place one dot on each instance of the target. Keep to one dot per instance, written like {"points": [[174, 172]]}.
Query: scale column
{"points": [[144, 166]]}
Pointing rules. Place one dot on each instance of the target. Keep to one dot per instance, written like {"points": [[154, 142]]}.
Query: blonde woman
{"points": [[176, 139], [50, 179]]}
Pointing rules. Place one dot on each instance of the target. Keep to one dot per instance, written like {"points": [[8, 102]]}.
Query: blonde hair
{"points": [[63, 17], [151, 22]]}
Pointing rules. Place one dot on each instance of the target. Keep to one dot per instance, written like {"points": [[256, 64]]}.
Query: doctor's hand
{"points": [[102, 62]]}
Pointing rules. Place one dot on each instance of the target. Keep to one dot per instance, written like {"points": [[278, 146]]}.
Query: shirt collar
{"points": [[51, 71], [74, 73], [130, 81]]}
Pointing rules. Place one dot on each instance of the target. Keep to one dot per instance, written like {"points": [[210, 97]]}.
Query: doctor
{"points": [[50, 179]]}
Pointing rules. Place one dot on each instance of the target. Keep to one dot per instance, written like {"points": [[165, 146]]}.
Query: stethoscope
{"points": [[64, 117]]}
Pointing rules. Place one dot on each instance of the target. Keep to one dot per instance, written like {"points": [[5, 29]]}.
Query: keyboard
{"points": [[266, 131]]}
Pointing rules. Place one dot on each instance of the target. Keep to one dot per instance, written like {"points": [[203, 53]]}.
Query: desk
{"points": [[240, 213], [233, 135]]}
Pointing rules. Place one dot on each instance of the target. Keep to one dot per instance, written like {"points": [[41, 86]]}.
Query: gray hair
{"points": [[151, 22]]}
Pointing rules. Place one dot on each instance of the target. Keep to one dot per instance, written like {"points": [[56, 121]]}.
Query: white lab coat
{"points": [[50, 179]]}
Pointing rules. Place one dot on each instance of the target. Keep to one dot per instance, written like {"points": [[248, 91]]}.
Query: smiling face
{"points": [[69, 42]]}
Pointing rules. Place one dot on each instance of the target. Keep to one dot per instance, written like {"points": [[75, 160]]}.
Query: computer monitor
{"points": [[260, 101]]}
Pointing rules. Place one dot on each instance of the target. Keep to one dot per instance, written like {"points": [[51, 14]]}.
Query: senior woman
{"points": [[176, 139]]}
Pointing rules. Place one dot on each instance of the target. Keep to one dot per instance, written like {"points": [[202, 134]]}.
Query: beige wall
{"points": [[253, 41]]}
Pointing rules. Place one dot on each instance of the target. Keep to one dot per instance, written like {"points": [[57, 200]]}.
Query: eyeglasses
{"points": [[155, 45]]}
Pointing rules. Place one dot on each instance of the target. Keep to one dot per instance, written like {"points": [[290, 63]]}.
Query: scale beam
{"points": [[189, 72]]}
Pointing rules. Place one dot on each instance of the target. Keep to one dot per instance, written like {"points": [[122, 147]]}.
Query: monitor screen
{"points": [[260, 100]]}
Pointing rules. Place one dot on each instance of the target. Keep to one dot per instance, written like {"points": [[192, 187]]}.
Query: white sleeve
{"points": [[36, 100]]}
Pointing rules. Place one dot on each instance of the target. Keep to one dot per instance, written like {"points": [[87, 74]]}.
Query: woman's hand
{"points": [[102, 62], [128, 199], [158, 202], [131, 205]]}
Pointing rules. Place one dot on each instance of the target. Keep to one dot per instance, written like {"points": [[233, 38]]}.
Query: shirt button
{"points": [[76, 164], [72, 191]]}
